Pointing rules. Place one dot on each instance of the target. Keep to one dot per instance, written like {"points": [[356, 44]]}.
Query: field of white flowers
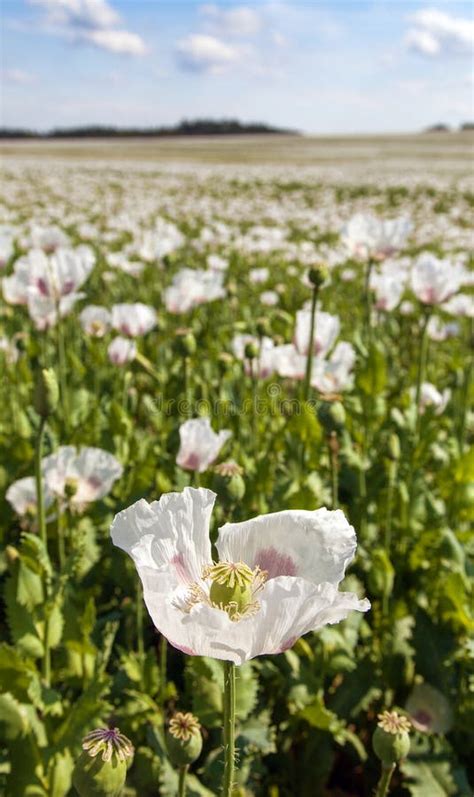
{"points": [[236, 470]]}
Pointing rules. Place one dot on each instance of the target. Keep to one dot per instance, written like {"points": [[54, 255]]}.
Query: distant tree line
{"points": [[187, 127], [442, 128]]}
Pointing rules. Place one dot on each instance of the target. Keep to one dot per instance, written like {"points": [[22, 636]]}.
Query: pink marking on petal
{"points": [[68, 287], [275, 563], [288, 644], [183, 648], [181, 568], [191, 462], [42, 287]]}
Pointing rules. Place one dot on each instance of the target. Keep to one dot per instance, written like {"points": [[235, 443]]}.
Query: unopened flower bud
{"points": [[46, 395], [251, 350], [318, 275], [225, 362], [394, 447], [391, 740], [185, 343], [263, 327], [332, 416], [101, 769], [183, 739]]}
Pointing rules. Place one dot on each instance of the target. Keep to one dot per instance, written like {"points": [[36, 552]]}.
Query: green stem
{"points": [[368, 302], [60, 533], [139, 621], [163, 661], [362, 498], [392, 475], [333, 446], [62, 374], [385, 778], [183, 771], [43, 535], [39, 483], [187, 393], [465, 391], [421, 372], [229, 728], [310, 354]]}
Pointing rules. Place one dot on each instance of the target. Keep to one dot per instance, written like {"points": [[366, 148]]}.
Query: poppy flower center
{"points": [[233, 589]]}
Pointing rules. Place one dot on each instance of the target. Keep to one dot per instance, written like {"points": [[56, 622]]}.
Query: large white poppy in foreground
{"points": [[277, 577]]}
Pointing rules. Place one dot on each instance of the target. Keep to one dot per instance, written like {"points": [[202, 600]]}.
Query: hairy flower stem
{"points": [[229, 728], [333, 448], [62, 368], [392, 477], [39, 482], [163, 663], [254, 404], [368, 302], [43, 536], [423, 355], [183, 771], [139, 622], [385, 778], [187, 389], [466, 388], [312, 332]]}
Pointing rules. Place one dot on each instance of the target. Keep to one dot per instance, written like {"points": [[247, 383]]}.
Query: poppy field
{"points": [[237, 475]]}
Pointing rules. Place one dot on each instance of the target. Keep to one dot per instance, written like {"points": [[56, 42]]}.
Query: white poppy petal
{"points": [[173, 531], [316, 546]]}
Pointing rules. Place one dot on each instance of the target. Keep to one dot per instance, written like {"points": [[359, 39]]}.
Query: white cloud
{"points": [[435, 33], [201, 53], [18, 76], [91, 21], [117, 41], [237, 21], [80, 13]]}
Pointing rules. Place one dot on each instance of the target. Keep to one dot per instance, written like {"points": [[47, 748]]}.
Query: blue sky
{"points": [[322, 67]]}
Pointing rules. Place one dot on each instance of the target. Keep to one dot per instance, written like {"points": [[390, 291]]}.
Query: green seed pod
{"points": [[228, 481], [101, 769], [391, 740], [46, 394], [183, 739], [318, 275]]}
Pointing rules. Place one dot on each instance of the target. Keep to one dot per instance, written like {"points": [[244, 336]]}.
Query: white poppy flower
{"points": [[264, 363], [269, 298], [462, 305], [217, 263], [82, 475], [288, 361], [327, 329], [121, 351], [335, 374], [7, 244], [277, 578], [429, 710], [95, 320], [22, 496], [367, 236], [258, 275], [431, 397], [133, 319], [433, 281], [9, 350], [49, 284], [388, 289], [191, 288], [439, 331], [199, 444]]}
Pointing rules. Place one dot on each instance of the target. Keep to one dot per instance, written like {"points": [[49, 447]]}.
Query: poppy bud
{"points": [[332, 416], [318, 275], [185, 343], [101, 769], [251, 350], [394, 447], [391, 741], [183, 739], [46, 395], [263, 327]]}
